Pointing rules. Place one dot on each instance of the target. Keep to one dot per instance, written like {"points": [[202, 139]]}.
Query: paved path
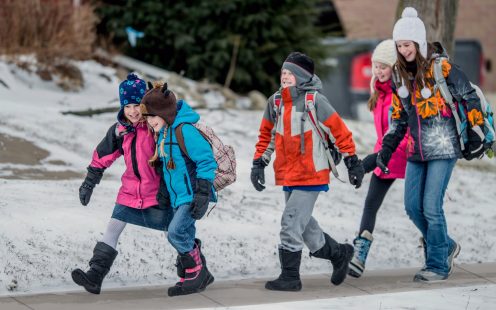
{"points": [[249, 292]]}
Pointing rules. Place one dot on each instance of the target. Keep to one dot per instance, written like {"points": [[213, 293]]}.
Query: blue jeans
{"points": [[425, 185], [182, 230]]}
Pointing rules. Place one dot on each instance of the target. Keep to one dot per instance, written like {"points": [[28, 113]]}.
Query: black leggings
{"points": [[377, 191]]}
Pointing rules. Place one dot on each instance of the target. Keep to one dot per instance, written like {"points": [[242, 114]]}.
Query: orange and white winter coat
{"points": [[297, 163]]}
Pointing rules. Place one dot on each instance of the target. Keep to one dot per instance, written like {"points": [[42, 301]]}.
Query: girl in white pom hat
{"points": [[433, 147], [383, 59]]}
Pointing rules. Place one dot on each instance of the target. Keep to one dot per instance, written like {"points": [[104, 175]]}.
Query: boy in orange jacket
{"points": [[302, 168]]}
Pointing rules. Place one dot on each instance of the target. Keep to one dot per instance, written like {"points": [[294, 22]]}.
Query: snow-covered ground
{"points": [[45, 232]]}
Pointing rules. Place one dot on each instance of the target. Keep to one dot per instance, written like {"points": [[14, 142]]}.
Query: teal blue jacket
{"points": [[181, 181]]}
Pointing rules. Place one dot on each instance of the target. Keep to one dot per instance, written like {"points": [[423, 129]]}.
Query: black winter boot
{"points": [[289, 279], [340, 255], [176, 290], [103, 258], [196, 276]]}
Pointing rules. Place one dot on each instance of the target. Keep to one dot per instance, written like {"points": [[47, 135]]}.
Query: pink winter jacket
{"points": [[397, 164], [140, 182]]}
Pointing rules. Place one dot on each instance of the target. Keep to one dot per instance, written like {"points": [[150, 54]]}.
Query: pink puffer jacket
{"points": [[397, 164]]}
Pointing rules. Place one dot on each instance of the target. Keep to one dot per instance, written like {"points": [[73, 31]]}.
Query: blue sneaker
{"points": [[362, 245]]}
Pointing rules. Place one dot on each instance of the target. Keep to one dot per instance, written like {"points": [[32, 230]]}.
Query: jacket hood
{"points": [[436, 49], [185, 114], [314, 84]]}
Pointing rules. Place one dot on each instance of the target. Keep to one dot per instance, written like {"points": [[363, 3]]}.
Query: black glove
{"points": [[355, 170], [199, 205], [475, 146], [93, 177], [257, 174], [383, 158], [370, 162]]}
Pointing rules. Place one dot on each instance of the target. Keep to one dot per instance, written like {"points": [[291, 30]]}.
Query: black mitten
{"points": [[199, 205]]}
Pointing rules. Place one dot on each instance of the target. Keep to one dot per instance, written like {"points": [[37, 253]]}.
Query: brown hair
{"points": [[422, 66], [372, 103]]}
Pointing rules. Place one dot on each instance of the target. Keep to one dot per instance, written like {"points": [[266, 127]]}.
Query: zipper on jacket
{"points": [[133, 157], [419, 129], [186, 183], [168, 172]]}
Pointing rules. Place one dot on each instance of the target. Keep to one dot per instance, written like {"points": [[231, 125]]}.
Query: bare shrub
{"points": [[50, 29]]}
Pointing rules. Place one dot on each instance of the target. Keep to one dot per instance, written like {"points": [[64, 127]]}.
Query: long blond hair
{"points": [[158, 148]]}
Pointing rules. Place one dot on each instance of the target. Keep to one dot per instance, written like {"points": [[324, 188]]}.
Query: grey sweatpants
{"points": [[298, 226]]}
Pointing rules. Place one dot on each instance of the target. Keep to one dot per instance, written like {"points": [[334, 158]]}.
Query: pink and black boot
{"points": [[193, 274]]}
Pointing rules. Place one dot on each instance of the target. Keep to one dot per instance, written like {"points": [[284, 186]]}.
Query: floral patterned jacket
{"points": [[432, 128]]}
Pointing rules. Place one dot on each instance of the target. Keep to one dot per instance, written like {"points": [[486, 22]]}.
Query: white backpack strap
{"points": [[310, 108], [276, 105], [443, 88]]}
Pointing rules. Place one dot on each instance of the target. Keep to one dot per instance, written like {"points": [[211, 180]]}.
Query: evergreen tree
{"points": [[200, 38]]}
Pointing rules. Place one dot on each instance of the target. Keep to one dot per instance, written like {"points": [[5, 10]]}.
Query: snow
{"points": [[45, 232]]}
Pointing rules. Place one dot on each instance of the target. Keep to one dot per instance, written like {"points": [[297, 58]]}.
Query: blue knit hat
{"points": [[131, 91]]}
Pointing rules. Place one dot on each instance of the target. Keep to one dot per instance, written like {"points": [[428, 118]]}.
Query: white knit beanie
{"points": [[385, 52], [411, 28]]}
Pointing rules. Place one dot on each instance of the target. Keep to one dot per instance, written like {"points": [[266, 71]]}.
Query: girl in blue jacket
{"points": [[188, 179]]}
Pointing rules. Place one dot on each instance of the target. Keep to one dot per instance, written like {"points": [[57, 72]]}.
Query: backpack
{"points": [[334, 157], [225, 174], [460, 112]]}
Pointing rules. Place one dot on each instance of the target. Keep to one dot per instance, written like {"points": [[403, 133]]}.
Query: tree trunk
{"points": [[234, 57], [439, 17]]}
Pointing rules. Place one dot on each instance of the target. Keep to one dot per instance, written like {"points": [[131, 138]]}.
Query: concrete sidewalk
{"points": [[250, 292]]}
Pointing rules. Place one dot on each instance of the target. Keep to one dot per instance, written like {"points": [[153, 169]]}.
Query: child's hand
{"points": [[355, 170], [85, 191], [199, 205], [383, 158], [93, 177], [257, 174]]}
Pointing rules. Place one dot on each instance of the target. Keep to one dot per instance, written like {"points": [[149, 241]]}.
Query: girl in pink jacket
{"points": [[139, 201], [383, 59]]}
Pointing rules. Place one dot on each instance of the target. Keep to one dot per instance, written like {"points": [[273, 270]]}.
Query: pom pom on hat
{"points": [[426, 92], [403, 91], [409, 12]]}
